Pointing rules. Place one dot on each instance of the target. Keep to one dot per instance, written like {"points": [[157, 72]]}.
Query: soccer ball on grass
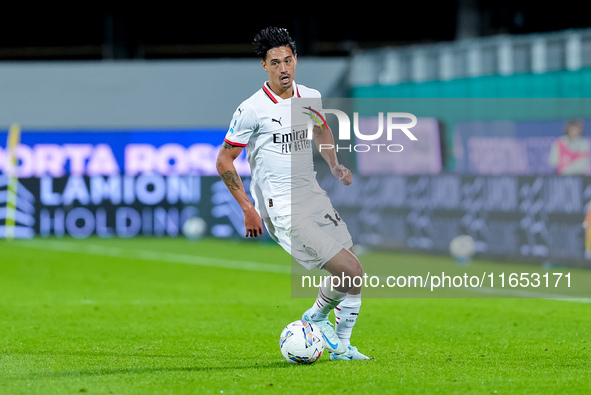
{"points": [[301, 342]]}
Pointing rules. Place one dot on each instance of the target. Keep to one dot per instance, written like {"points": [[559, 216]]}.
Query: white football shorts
{"points": [[312, 239]]}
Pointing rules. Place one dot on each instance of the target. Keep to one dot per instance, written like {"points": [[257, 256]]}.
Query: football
{"points": [[301, 342], [462, 248]]}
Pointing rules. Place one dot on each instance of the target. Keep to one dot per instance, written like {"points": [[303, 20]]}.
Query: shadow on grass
{"points": [[146, 370]]}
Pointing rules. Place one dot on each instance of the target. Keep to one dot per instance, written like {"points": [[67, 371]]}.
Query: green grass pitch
{"points": [[169, 316]]}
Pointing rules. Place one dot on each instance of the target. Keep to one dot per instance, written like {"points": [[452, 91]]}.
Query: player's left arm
{"points": [[324, 140]]}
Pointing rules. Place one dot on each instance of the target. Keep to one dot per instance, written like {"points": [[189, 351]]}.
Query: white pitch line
{"points": [[157, 256]]}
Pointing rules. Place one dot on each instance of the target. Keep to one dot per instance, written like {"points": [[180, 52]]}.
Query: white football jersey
{"points": [[278, 149]]}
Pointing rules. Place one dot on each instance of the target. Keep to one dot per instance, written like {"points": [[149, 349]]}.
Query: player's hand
{"points": [[343, 174], [253, 223]]}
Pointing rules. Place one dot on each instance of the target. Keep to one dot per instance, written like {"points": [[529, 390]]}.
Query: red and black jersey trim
{"points": [[272, 96], [234, 144]]}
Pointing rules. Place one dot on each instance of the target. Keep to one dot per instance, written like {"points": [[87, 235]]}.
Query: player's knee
{"points": [[354, 268], [354, 274]]}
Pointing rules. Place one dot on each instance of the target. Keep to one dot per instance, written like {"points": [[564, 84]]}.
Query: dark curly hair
{"points": [[272, 37]]}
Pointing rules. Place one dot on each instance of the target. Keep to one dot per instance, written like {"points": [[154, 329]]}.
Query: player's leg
{"points": [[344, 268], [347, 312], [343, 289], [346, 315], [333, 291]]}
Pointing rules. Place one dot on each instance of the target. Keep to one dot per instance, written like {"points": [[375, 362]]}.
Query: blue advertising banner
{"points": [[59, 153], [121, 206]]}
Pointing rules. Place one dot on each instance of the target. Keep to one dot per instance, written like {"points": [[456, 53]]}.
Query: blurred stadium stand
{"points": [[476, 57]]}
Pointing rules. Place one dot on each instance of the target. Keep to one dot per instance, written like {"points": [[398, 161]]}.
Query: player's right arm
{"points": [[242, 125], [226, 169]]}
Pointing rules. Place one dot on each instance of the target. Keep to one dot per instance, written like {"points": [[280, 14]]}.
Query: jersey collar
{"points": [[276, 99]]}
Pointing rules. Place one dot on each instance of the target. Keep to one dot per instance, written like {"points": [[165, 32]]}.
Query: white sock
{"points": [[346, 314], [326, 300]]}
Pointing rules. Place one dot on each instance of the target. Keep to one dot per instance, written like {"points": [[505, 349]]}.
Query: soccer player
{"points": [[281, 163]]}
